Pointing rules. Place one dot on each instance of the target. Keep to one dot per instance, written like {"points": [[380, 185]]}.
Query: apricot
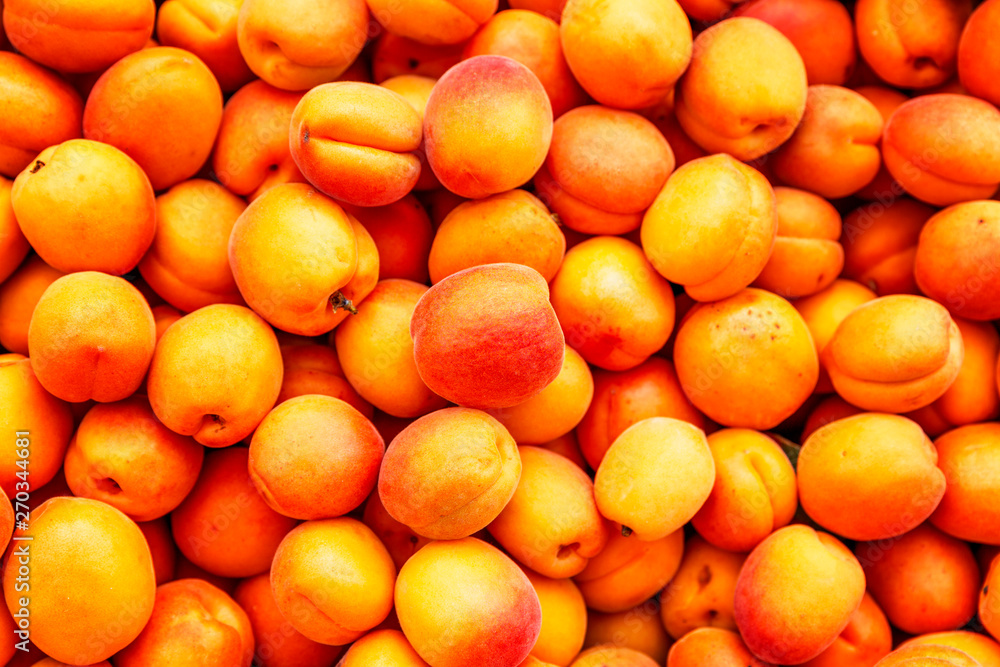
{"points": [[13, 246], [92, 583], [976, 52], [215, 373], [989, 600], [614, 308], [393, 55], [193, 623], [207, 29], [701, 593], [62, 206], [604, 169], [943, 148], [433, 22], [883, 187], [638, 629], [122, 455], [512, 226], [612, 656], [608, 65], [924, 580], [777, 607], [286, 47], [807, 256], [399, 539], [830, 409], [711, 647], [36, 93], [747, 361], [487, 336], [161, 548], [834, 150], [251, 152], [723, 208], [315, 457], [19, 294], [365, 277], [876, 366], [416, 90], [486, 611], [356, 142], [483, 467], [866, 639], [91, 337], [927, 655], [277, 643], [911, 46], [564, 619], [978, 646], [955, 259], [880, 245], [754, 492], [487, 126], [973, 396], [628, 571], [744, 121], [403, 235], [969, 506], [568, 447], [28, 407], [320, 375], [382, 648], [869, 477], [551, 524]]}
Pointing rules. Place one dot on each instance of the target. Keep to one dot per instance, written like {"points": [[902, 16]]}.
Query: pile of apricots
{"points": [[517, 333]]}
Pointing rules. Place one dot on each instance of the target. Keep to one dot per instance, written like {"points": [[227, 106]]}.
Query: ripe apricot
{"points": [[382, 648], [754, 492], [989, 600], [19, 295], [365, 277], [777, 606], [161, 548], [486, 610], [512, 226], [723, 208], [416, 90], [973, 396], [701, 593], [564, 619], [866, 639], [483, 469], [283, 44], [91, 337], [712, 647], [313, 372], [747, 361], [969, 506], [978, 646], [638, 629], [976, 51], [13, 246], [869, 477], [92, 583], [393, 55], [487, 126], [830, 409], [215, 373], [62, 205], [487, 336], [883, 187], [744, 121], [604, 169], [34, 92], [927, 655], [207, 29], [434, 22], [399, 539], [612, 656], [403, 235]]}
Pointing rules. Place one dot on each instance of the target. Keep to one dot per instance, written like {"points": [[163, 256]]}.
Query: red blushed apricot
{"points": [[18, 296], [551, 524], [486, 611], [604, 169], [487, 337], [866, 639], [834, 150], [924, 580], [623, 398], [434, 22], [393, 55], [277, 643], [487, 126], [828, 410], [399, 539], [712, 647], [13, 246], [723, 208], [956, 259], [356, 142], [62, 206], [796, 593], [564, 619], [638, 629], [748, 361], [807, 256], [188, 261], [285, 46], [976, 52], [754, 492], [944, 149], [978, 646], [54, 107], [614, 308], [973, 396], [911, 46], [746, 122], [403, 235], [701, 593], [821, 31], [193, 623], [251, 152], [880, 245], [532, 39], [224, 525], [161, 548], [207, 29], [170, 129], [91, 337], [896, 353], [512, 226], [315, 457], [608, 66], [969, 508], [869, 477], [122, 455]]}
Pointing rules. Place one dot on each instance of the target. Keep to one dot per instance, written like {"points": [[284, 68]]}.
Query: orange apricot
{"points": [[927, 655], [568, 447], [207, 29], [830, 409], [701, 593], [973, 396], [399, 539], [989, 600], [13, 246], [314, 369], [883, 187], [866, 639], [979, 647], [393, 55], [638, 629], [968, 509], [403, 235], [161, 548], [382, 648], [564, 619], [977, 52], [19, 295], [712, 647], [434, 22]]}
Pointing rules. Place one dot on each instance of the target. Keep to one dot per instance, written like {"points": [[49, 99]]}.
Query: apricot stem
{"points": [[38, 165], [338, 300], [626, 531]]}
